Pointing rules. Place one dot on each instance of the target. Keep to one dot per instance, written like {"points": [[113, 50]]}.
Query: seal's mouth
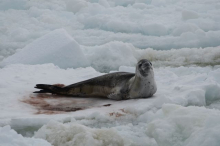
{"points": [[145, 66]]}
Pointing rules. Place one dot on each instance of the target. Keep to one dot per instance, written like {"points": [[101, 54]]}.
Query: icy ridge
{"points": [[143, 23], [59, 48]]}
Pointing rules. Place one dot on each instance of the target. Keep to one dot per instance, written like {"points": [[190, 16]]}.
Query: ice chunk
{"points": [[57, 47], [143, 23], [75, 134], [185, 126], [184, 28], [186, 15], [10, 138], [111, 56], [75, 5], [104, 3], [124, 2], [184, 56], [212, 93], [12, 4], [196, 97], [158, 2], [154, 29]]}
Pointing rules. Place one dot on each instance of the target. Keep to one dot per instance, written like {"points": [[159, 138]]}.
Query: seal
{"points": [[116, 86]]}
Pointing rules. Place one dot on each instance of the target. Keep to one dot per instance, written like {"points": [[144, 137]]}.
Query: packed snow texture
{"points": [[156, 24], [56, 47], [74, 134], [9, 137], [112, 55], [67, 41], [184, 111], [62, 50], [172, 125]]}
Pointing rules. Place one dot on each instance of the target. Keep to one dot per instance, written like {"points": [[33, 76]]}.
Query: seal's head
{"points": [[144, 68]]}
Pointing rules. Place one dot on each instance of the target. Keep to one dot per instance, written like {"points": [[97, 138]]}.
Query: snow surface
{"points": [[9, 137], [157, 24], [182, 112], [67, 41], [59, 48], [56, 47]]}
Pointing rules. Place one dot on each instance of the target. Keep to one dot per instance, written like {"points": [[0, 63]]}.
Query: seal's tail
{"points": [[49, 89]]}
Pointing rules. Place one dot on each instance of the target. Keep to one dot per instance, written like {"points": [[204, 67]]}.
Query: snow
{"points": [[143, 23], [67, 41], [186, 15], [75, 134], [185, 126], [171, 125], [56, 47], [75, 5], [59, 48], [187, 94], [10, 137], [111, 56]]}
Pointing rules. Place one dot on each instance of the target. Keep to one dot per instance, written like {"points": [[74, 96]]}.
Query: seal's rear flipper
{"points": [[48, 89], [42, 91]]}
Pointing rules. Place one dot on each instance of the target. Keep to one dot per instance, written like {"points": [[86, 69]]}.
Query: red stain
{"points": [[53, 104], [118, 114], [58, 104]]}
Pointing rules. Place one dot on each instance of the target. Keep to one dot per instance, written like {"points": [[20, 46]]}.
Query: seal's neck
{"points": [[141, 85], [139, 81], [139, 77]]}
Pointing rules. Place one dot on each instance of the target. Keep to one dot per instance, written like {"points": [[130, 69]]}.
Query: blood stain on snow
{"points": [[54, 104], [57, 104], [118, 114]]}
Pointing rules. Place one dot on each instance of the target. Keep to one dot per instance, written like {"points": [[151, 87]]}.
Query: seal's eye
{"points": [[139, 65]]}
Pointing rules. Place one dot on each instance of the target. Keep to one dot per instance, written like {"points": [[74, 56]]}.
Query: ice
{"points": [[154, 30], [184, 56], [56, 47], [104, 3], [66, 53], [13, 4], [75, 134], [186, 15], [67, 41], [212, 93], [192, 91], [10, 137], [75, 5], [156, 24], [111, 56], [171, 125], [187, 27], [185, 126]]}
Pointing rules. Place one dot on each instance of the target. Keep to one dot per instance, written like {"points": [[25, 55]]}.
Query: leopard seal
{"points": [[116, 86]]}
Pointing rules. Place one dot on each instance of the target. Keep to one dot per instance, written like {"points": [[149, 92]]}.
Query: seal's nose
{"points": [[147, 64]]}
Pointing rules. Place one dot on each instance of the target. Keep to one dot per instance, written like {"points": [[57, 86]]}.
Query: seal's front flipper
{"points": [[115, 96]]}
